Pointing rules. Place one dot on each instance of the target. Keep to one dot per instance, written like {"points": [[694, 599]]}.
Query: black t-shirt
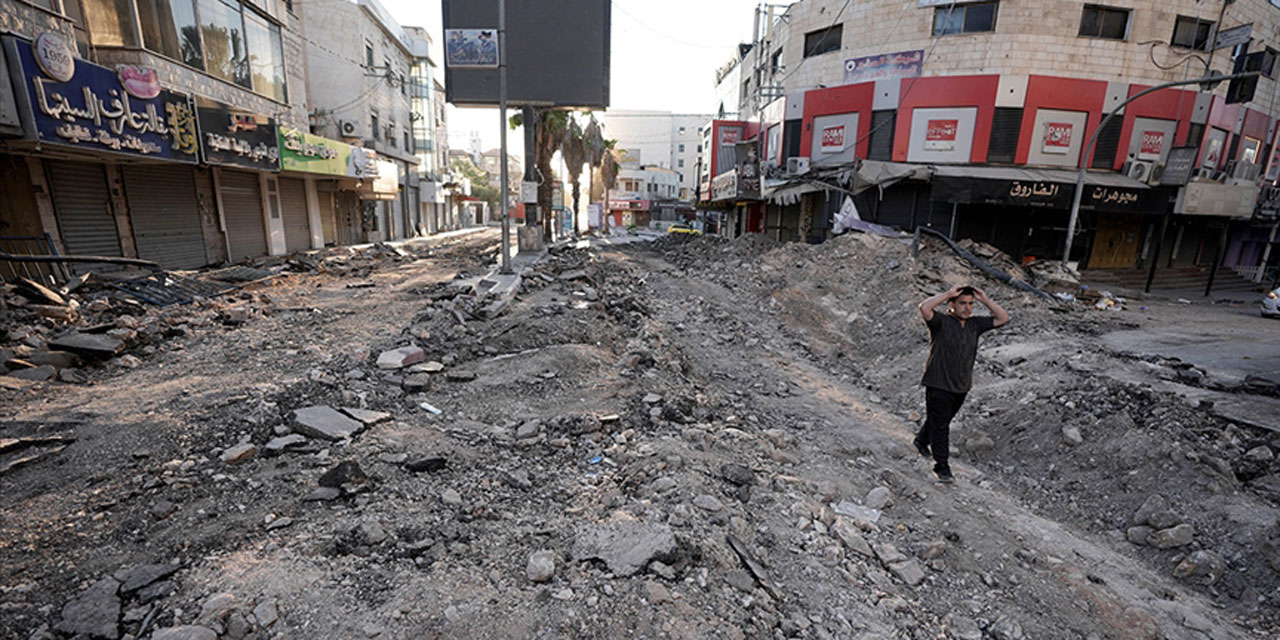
{"points": [[952, 347]]}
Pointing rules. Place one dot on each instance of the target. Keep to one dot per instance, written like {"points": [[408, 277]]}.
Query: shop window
{"points": [[1104, 22], [266, 57], [74, 13], [970, 18], [1192, 33], [822, 41], [111, 23], [169, 28], [225, 53]]}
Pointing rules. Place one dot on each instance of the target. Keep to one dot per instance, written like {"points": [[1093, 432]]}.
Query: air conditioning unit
{"points": [[347, 129], [1245, 172], [797, 165], [1157, 172], [1140, 170]]}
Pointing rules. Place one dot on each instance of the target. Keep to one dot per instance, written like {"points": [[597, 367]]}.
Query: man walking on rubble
{"points": [[948, 374]]}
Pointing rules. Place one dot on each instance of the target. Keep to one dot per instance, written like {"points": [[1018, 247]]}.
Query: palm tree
{"points": [[551, 125]]}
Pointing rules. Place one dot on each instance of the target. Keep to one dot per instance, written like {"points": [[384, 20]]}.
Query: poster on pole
{"points": [[471, 48]]}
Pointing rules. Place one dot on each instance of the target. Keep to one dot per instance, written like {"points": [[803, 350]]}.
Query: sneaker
{"points": [[945, 477], [922, 447]]}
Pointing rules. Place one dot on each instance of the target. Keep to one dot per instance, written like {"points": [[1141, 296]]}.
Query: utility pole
{"points": [[503, 197]]}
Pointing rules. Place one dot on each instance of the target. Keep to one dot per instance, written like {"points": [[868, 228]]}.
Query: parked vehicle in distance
{"points": [[683, 228]]}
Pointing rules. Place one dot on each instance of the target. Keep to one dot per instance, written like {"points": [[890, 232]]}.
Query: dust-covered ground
{"points": [[692, 438]]}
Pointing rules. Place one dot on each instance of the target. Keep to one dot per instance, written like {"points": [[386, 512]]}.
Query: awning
{"points": [[1061, 176], [870, 173]]}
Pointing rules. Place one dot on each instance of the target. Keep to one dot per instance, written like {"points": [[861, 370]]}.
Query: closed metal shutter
{"points": [[1108, 145], [166, 222], [880, 146], [1006, 124], [82, 203], [242, 211], [293, 200]]}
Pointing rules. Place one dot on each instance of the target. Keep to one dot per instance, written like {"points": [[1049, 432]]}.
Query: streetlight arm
{"points": [[1084, 156]]}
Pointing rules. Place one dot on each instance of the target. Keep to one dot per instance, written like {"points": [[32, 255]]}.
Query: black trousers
{"points": [[940, 407]]}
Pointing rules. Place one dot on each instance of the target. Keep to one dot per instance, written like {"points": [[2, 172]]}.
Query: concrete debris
{"points": [[185, 632], [401, 357], [239, 453], [325, 423], [541, 566], [94, 613], [625, 547]]}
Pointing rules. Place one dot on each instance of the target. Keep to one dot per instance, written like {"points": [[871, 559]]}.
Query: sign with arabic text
{"points": [[1049, 195], [238, 139], [940, 135], [92, 110], [309, 153], [900, 64], [1178, 166]]}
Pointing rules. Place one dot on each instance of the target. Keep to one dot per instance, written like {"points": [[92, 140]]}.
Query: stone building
{"points": [[978, 95]]}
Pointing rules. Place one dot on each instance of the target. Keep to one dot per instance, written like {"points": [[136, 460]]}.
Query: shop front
{"points": [[113, 156], [334, 179], [244, 150]]}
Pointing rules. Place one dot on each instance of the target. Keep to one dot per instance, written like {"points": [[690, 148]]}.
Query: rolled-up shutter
{"points": [[293, 201], [166, 222], [242, 211], [82, 203]]}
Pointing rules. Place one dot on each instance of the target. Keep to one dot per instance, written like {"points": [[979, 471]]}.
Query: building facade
{"points": [[990, 95], [186, 132]]}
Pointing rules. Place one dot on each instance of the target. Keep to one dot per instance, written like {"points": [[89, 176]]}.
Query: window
{"points": [[681, 147], [404, 86], [266, 57], [1192, 33], [822, 41], [681, 130], [169, 28], [373, 125], [746, 89], [386, 66], [72, 9], [969, 18], [110, 22], [368, 54], [225, 54], [680, 163], [1269, 62], [408, 145], [1104, 22], [775, 63]]}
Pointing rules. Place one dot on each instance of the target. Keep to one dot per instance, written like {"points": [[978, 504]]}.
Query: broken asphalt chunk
{"points": [[325, 423], [366, 416], [346, 472], [93, 613], [135, 578], [88, 345], [427, 465]]}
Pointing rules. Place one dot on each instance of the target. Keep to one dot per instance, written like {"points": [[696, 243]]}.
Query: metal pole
{"points": [[504, 195], [1084, 153], [1218, 258], [1155, 257]]}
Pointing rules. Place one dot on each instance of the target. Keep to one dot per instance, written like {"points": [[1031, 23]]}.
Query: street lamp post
{"points": [[504, 196], [1084, 155]]}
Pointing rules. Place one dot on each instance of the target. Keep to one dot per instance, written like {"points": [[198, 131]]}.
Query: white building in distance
{"points": [[660, 139]]}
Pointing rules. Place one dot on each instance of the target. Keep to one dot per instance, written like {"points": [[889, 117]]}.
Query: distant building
{"points": [[490, 164], [660, 139]]}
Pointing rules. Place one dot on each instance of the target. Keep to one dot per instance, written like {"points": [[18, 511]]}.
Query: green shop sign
{"points": [[308, 153]]}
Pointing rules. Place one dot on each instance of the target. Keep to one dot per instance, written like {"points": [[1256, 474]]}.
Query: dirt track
{"points": [[626, 394]]}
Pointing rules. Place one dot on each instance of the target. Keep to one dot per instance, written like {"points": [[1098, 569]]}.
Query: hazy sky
{"points": [[664, 56]]}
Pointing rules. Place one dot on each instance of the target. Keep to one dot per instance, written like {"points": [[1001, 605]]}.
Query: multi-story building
{"points": [[980, 97], [360, 61], [188, 132], [491, 164], [660, 139]]}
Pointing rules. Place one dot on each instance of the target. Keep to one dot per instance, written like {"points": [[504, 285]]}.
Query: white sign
{"points": [[1234, 36], [54, 57], [528, 192], [833, 139], [1057, 137]]}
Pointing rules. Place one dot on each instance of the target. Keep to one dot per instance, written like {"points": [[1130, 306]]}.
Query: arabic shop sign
{"points": [[725, 185], [1049, 195], [238, 139], [308, 153], [93, 109]]}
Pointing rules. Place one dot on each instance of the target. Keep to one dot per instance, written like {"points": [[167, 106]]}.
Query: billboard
{"points": [[471, 48], [901, 64], [557, 53], [237, 138], [309, 153]]}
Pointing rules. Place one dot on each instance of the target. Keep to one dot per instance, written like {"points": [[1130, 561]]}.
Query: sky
{"points": [[664, 54]]}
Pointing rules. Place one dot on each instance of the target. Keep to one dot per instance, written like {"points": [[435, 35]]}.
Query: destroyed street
{"points": [[690, 438]]}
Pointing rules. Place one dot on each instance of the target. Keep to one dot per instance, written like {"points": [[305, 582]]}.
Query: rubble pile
{"points": [[629, 446]]}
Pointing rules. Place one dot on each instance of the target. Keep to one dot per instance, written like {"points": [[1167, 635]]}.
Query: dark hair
{"points": [[966, 291]]}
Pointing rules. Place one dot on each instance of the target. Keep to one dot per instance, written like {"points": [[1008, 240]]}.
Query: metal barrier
{"points": [[44, 273]]}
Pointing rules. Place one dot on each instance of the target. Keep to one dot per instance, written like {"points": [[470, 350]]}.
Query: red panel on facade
{"points": [[1066, 94], [1169, 104], [950, 91], [1256, 124], [749, 130], [834, 100]]}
